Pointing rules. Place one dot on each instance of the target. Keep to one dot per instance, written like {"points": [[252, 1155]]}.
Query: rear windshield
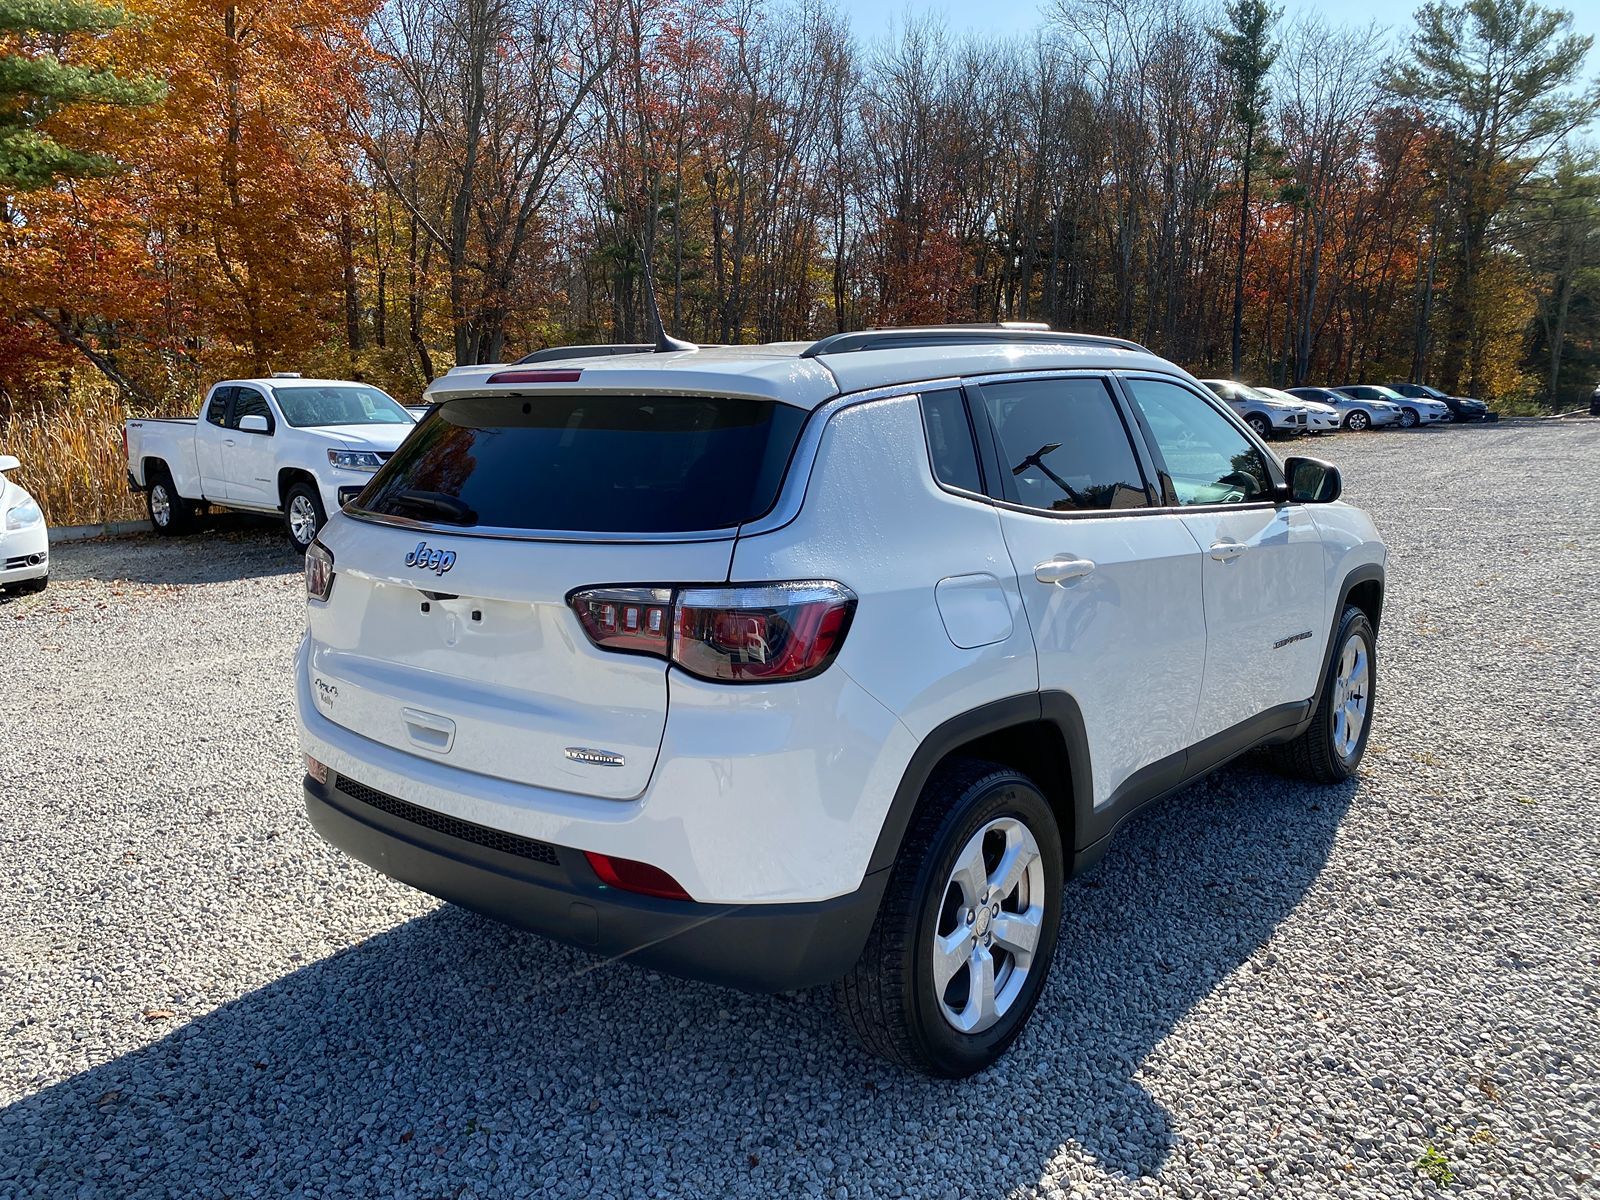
{"points": [[590, 464]]}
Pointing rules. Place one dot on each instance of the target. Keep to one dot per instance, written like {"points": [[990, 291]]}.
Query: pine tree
{"points": [[1246, 53], [35, 85]]}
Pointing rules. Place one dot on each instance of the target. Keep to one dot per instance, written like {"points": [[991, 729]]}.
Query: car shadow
{"points": [[453, 1056], [224, 546]]}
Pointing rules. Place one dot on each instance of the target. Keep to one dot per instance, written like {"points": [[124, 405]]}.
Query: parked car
{"points": [[1462, 408], [1320, 416], [1414, 410], [1355, 414], [24, 540], [1261, 412], [794, 665], [299, 447]]}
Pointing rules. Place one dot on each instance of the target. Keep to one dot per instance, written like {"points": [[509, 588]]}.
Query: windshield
{"points": [[338, 404]]}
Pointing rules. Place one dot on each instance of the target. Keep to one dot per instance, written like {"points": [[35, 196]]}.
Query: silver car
{"points": [[1320, 417], [1260, 411], [1354, 413], [1414, 410]]}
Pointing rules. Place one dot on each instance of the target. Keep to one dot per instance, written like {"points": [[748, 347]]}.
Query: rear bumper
{"points": [[756, 947]]}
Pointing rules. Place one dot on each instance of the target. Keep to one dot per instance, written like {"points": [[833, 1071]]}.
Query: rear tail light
{"points": [[535, 377], [753, 634], [319, 571], [633, 876]]}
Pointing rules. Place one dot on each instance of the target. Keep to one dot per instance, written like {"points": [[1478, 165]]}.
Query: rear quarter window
{"points": [[590, 463]]}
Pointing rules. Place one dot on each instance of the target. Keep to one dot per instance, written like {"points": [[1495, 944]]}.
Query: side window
{"points": [[250, 403], [1064, 445], [217, 410], [951, 449], [1207, 460]]}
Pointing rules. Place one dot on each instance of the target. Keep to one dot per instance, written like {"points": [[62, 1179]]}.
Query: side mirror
{"points": [[9, 462], [1312, 481], [252, 423]]}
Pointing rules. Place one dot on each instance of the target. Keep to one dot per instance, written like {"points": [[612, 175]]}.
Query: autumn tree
{"points": [[1495, 76], [36, 85]]}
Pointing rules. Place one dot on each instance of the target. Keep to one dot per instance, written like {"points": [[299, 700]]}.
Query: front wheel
{"points": [[1261, 425], [964, 937], [1358, 422], [29, 587], [1409, 418], [303, 515], [1330, 749]]}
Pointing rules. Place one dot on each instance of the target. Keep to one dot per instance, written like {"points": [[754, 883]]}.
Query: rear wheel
{"points": [[967, 929], [169, 512], [1358, 421], [1330, 749], [303, 515]]}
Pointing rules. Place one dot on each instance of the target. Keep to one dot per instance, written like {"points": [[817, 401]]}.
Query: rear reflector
{"points": [[535, 377], [637, 877]]}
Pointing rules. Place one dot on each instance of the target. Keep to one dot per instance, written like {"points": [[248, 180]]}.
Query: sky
{"points": [[872, 18]]}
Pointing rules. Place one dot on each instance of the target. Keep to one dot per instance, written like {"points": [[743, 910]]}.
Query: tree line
{"points": [[387, 188]]}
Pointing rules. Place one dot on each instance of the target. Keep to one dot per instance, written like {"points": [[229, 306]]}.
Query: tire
{"points": [[1261, 425], [303, 515], [1325, 753], [1409, 418], [889, 998], [170, 514], [1358, 422], [29, 587]]}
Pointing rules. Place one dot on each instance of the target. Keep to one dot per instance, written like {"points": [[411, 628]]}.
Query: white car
{"points": [[24, 540], [1263, 413], [1320, 418], [283, 444], [787, 665], [1414, 410]]}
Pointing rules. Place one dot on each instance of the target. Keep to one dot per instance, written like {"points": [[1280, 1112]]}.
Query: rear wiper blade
{"points": [[436, 504]]}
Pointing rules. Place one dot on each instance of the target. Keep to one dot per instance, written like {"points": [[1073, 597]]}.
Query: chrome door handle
{"points": [[1062, 569], [1227, 550]]}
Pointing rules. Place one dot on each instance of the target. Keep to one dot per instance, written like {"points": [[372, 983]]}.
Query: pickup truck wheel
{"points": [[169, 512], [1330, 749], [964, 937], [303, 515]]}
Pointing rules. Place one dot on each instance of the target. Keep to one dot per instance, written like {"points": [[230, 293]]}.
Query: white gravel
{"points": [[1265, 988]]}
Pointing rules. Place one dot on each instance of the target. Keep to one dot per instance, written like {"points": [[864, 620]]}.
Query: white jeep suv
{"points": [[786, 665]]}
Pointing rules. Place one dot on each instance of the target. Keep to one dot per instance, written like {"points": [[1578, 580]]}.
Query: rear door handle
{"points": [[227, 441], [1227, 550], [1062, 569]]}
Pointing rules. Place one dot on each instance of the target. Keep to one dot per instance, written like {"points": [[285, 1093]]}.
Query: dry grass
{"points": [[72, 458]]}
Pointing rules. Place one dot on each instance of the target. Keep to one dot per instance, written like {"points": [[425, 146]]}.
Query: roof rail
{"points": [[557, 353], [910, 337]]}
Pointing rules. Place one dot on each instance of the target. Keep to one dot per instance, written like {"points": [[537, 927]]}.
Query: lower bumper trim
{"points": [[754, 947]]}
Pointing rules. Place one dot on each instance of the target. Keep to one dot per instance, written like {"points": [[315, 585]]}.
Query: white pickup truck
{"points": [[300, 447]]}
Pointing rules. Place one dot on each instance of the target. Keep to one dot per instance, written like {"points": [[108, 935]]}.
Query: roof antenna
{"points": [[665, 343]]}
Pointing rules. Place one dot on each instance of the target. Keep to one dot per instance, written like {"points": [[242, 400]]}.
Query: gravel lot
{"points": [[1265, 988]]}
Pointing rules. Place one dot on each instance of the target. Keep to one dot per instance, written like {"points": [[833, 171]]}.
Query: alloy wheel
{"points": [[1351, 693], [987, 932], [160, 505], [302, 519]]}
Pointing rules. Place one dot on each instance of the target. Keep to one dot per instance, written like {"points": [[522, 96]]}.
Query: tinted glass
{"points": [[1207, 460], [217, 410], [339, 404], [1064, 445], [950, 445], [596, 464], [249, 402]]}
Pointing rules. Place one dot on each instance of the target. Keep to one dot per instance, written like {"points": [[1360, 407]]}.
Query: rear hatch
{"points": [[447, 632]]}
